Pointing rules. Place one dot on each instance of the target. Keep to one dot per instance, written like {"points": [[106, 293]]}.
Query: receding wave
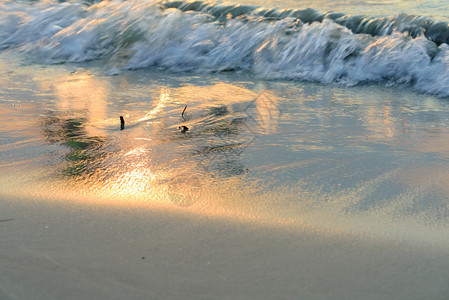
{"points": [[199, 36]]}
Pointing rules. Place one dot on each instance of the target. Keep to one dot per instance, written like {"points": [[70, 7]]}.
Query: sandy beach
{"points": [[60, 250], [208, 150]]}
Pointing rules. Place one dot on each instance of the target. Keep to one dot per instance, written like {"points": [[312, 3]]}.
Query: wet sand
{"points": [[311, 193], [61, 250]]}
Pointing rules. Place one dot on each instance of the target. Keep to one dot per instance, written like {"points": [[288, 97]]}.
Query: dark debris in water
{"points": [[183, 129]]}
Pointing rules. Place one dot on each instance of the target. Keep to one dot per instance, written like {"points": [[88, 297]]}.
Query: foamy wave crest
{"points": [[212, 37]]}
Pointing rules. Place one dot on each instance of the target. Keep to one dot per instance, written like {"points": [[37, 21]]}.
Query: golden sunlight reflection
{"points": [[268, 112], [163, 99], [381, 122], [223, 92], [136, 152], [151, 163], [137, 182], [81, 94], [219, 168]]}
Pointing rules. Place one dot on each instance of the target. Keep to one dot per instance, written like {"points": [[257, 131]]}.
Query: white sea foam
{"points": [[136, 34]]}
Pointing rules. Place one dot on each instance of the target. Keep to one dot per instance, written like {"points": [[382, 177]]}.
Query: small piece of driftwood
{"points": [[182, 115], [122, 123]]}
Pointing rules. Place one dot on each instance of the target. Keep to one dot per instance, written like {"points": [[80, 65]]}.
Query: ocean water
{"points": [[294, 112], [330, 115]]}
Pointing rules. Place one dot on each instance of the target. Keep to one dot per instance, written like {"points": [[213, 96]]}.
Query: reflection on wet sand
{"points": [[243, 156], [81, 95], [72, 133], [150, 160]]}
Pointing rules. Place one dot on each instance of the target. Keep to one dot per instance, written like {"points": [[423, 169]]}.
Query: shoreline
{"points": [[356, 210]]}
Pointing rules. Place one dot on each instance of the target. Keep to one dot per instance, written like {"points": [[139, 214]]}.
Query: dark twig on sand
{"points": [[122, 123], [7, 220], [182, 127]]}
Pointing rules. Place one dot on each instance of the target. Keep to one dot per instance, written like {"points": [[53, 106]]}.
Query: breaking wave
{"points": [[199, 36]]}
